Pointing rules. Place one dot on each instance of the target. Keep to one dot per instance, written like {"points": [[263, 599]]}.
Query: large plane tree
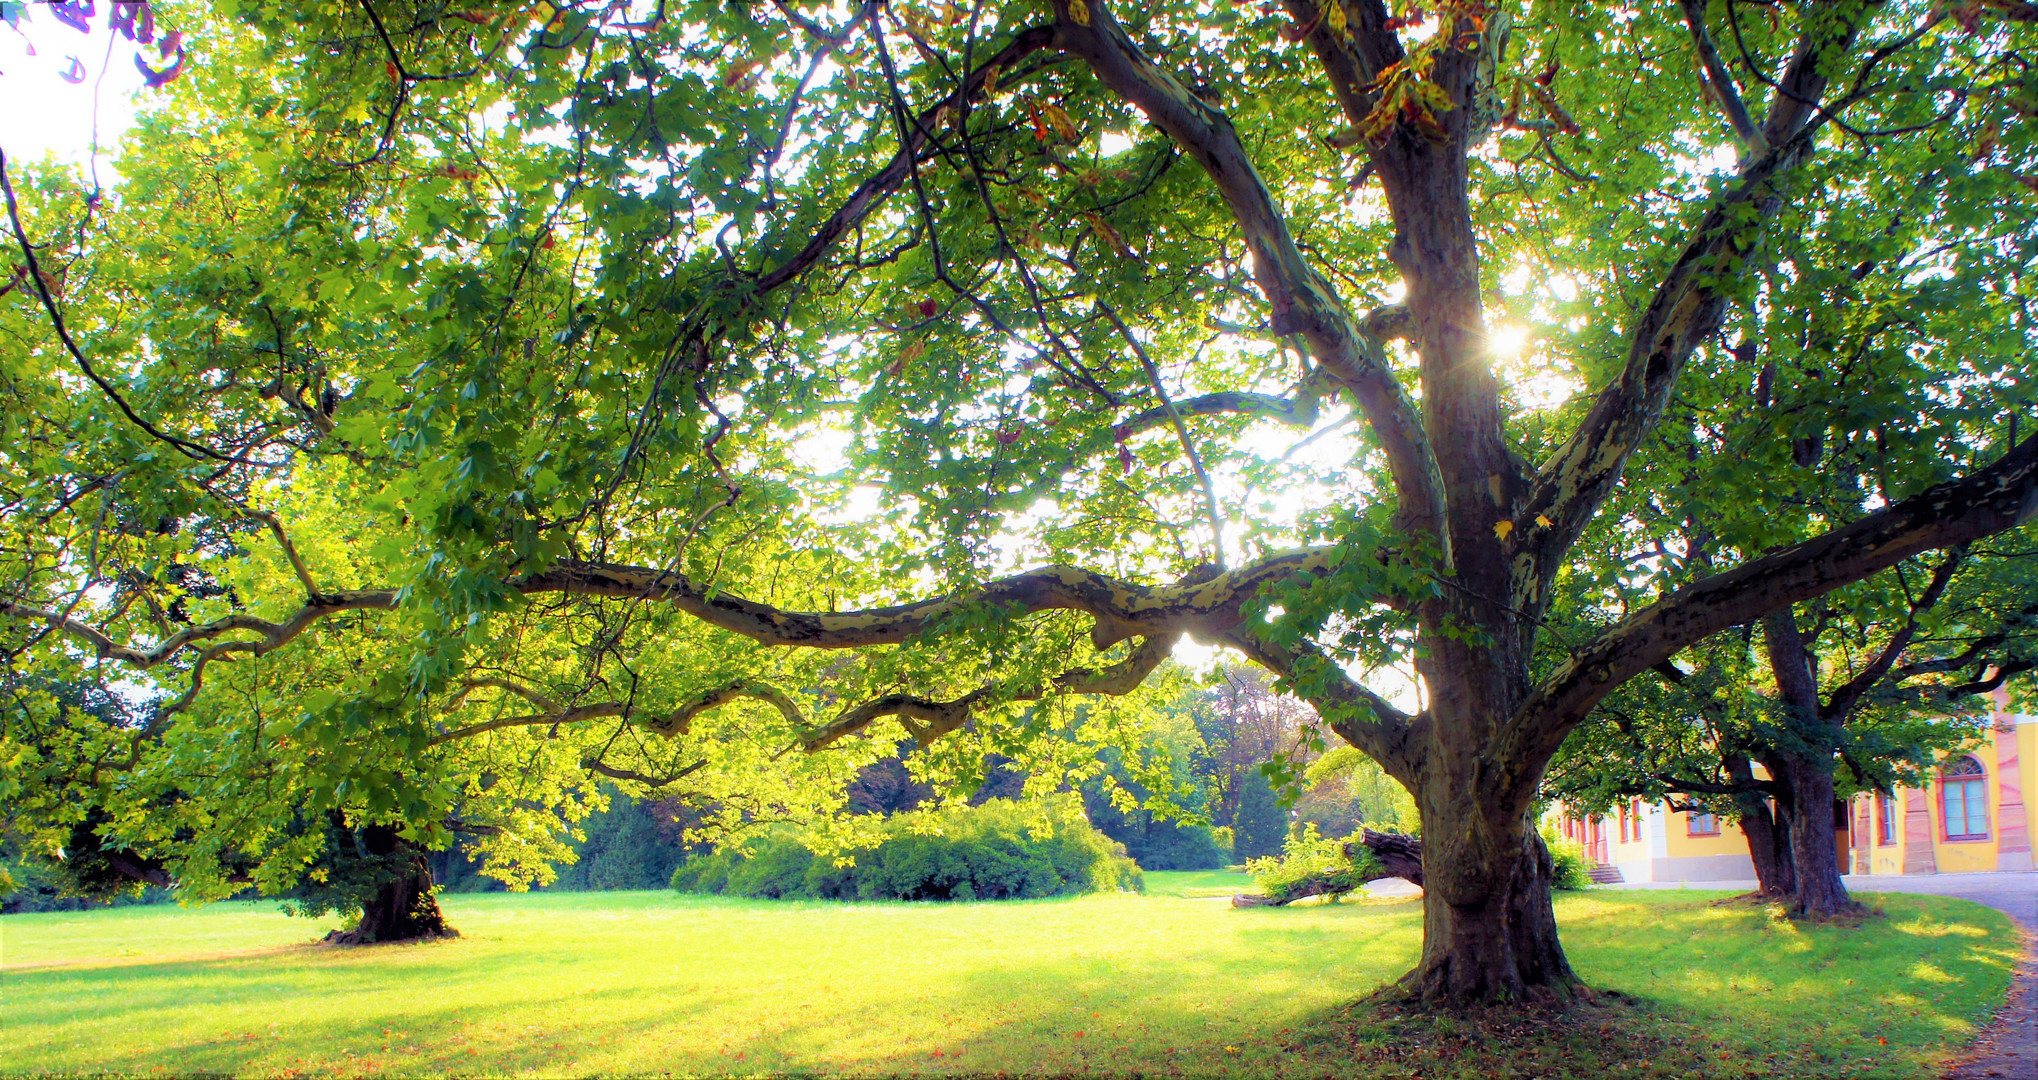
{"points": [[457, 401]]}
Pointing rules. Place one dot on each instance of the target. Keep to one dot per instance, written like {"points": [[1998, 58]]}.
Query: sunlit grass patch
{"points": [[641, 983], [1198, 884]]}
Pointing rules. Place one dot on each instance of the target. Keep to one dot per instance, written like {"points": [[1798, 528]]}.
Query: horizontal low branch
{"points": [[928, 719], [1209, 606], [1298, 411]]}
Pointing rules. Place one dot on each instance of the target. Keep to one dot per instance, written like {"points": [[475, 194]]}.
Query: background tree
{"points": [[1166, 829], [1261, 825], [1832, 405], [456, 407], [1348, 791], [1244, 723], [1884, 678]]}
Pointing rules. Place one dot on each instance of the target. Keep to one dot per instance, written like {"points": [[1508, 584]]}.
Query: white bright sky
{"points": [[45, 118], [42, 114]]}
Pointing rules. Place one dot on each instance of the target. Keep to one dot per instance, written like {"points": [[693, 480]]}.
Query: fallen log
{"points": [[1392, 856], [1399, 856]]}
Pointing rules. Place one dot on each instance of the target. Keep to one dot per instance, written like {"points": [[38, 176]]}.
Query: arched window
{"points": [[1963, 799]]}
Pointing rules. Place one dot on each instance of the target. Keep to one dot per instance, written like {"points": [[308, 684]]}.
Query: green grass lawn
{"points": [[608, 983], [1198, 884]]}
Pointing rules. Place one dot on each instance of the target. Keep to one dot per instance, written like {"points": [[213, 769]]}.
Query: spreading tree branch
{"points": [[1720, 81], [1303, 301], [1841, 702], [1993, 499], [1686, 309]]}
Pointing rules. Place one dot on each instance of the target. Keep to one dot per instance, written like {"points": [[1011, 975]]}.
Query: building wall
{"points": [[1665, 850], [1631, 856], [2008, 757], [2017, 764]]}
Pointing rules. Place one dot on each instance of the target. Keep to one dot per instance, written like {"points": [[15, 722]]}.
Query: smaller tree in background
{"points": [[630, 845], [1862, 690], [1244, 724], [1348, 791], [1260, 828]]}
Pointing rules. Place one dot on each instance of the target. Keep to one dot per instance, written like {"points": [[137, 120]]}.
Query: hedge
{"points": [[1001, 850]]}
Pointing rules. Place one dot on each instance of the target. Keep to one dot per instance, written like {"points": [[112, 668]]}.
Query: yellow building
{"points": [[1970, 817]]}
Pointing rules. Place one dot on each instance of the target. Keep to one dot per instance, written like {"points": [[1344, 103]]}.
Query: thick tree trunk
{"points": [[1768, 833], [1768, 845], [1489, 932], [1813, 855], [1808, 777], [405, 907]]}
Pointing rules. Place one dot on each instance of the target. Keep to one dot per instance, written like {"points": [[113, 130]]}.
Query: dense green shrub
{"points": [[705, 873], [1311, 864], [1572, 867], [999, 850]]}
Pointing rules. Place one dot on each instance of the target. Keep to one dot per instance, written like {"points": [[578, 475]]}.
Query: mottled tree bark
{"points": [[1768, 834], [405, 907], [1807, 775], [1490, 931]]}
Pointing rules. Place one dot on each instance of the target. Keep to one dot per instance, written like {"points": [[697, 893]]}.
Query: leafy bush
{"points": [[1311, 864], [1572, 866], [999, 850], [707, 873]]}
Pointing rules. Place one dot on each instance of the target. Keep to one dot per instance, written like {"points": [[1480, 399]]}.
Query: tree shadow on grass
{"points": [[1264, 992], [1051, 1011]]}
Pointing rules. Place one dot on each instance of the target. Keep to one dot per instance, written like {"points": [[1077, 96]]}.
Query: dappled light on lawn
{"points": [[606, 983]]}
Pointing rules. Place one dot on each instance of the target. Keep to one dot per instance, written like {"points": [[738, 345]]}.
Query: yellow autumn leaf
{"points": [[1502, 528], [1059, 120], [1544, 521], [1111, 237], [1080, 12]]}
